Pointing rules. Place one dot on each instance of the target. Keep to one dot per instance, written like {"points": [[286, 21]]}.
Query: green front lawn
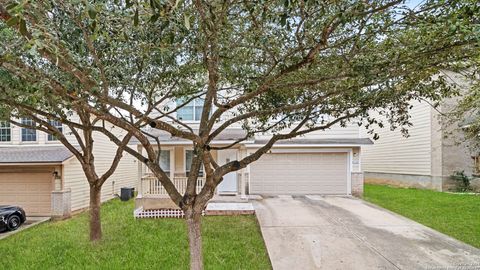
{"points": [[453, 214], [232, 242]]}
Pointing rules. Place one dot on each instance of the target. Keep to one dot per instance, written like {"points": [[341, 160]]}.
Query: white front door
{"points": [[229, 183]]}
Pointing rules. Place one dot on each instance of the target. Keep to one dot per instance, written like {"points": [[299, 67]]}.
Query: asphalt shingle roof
{"points": [[34, 154], [235, 134], [163, 136]]}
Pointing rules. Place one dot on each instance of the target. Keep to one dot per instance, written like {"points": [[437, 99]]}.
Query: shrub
{"points": [[463, 181]]}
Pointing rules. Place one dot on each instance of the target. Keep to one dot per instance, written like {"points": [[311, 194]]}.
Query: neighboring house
{"points": [[39, 174], [323, 162], [428, 157]]}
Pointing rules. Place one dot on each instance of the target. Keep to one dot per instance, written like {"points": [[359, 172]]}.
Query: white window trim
{"points": [[190, 121], [57, 140], [185, 149], [172, 160], [21, 134], [11, 134]]}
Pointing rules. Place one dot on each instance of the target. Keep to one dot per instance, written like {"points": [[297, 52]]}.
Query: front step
{"points": [[229, 209]]}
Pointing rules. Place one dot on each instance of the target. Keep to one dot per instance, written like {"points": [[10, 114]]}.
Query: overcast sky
{"points": [[413, 3]]}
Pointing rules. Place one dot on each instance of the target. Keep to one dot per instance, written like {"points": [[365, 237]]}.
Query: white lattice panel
{"points": [[159, 213]]}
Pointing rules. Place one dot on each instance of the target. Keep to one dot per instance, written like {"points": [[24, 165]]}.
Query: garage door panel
{"points": [[300, 173], [31, 191]]}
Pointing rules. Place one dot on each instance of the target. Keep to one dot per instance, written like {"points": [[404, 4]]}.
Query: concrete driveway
{"points": [[328, 232], [31, 222]]}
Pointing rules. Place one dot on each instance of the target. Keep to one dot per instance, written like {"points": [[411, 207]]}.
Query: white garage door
{"points": [[300, 173], [31, 191]]}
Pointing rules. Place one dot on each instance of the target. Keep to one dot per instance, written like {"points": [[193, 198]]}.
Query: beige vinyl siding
{"points": [[351, 130], [336, 131], [16, 136], [393, 153], [104, 151]]}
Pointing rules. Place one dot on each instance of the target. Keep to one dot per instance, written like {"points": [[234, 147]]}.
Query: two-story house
{"points": [[430, 155], [323, 162], [426, 159], [41, 175]]}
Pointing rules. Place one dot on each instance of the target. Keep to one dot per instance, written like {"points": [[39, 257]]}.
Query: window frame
{"points": [[22, 134], [187, 171], [194, 104], [51, 137], [169, 160], [5, 126]]}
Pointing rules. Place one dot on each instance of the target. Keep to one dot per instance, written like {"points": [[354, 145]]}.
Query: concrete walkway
{"points": [[327, 232], [228, 209]]}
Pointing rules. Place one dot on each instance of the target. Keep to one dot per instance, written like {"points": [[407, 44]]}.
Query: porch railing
{"points": [[152, 186]]}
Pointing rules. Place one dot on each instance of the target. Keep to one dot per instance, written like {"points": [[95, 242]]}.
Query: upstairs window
{"points": [[5, 131], [188, 163], [28, 134], [192, 111], [59, 126]]}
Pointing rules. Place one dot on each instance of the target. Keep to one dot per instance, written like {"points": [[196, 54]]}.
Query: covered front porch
{"points": [[176, 161]]}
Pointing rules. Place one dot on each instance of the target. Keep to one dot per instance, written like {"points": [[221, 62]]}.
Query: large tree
{"points": [[278, 68], [20, 99], [465, 116]]}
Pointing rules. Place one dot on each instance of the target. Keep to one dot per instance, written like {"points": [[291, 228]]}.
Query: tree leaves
{"points": [[187, 21], [92, 13], [129, 3], [177, 3], [373, 61], [16, 21], [13, 21], [154, 17], [23, 27], [135, 18]]}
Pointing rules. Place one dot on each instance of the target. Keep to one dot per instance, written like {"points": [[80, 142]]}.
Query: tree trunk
{"points": [[95, 222], [194, 238]]}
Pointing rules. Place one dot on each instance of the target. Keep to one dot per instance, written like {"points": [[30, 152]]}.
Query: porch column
{"points": [[172, 163], [60, 196], [243, 196], [57, 180], [140, 174]]}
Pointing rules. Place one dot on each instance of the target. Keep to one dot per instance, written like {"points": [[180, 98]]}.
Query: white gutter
{"points": [[30, 163], [190, 143], [304, 145], [49, 145]]}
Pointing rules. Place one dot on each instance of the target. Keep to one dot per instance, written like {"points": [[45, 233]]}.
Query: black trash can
{"points": [[126, 194]]}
